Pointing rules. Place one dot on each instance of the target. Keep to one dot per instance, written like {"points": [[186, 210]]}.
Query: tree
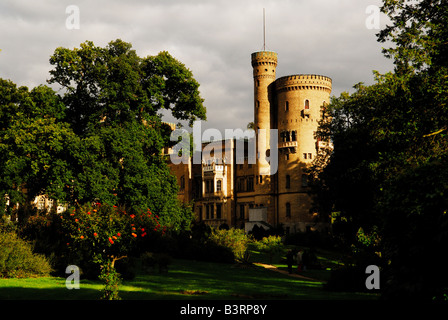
{"points": [[385, 175], [114, 86], [33, 144], [105, 234], [101, 139], [113, 99]]}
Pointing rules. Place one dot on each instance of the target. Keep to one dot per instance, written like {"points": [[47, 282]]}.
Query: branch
{"points": [[434, 133]]}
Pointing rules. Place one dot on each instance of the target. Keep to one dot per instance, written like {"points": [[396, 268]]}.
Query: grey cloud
{"points": [[214, 38]]}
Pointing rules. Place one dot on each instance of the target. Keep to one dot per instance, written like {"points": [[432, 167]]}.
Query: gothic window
{"points": [[287, 106], [288, 210], [288, 181]]}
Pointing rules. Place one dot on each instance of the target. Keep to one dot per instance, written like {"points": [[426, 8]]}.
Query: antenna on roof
{"points": [[264, 30]]}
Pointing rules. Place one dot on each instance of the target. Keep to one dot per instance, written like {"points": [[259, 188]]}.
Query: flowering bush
{"points": [[108, 233]]}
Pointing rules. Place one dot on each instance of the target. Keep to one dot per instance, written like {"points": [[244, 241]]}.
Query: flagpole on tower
{"points": [[264, 29]]}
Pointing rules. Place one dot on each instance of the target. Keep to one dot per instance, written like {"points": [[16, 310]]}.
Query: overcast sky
{"points": [[213, 38]]}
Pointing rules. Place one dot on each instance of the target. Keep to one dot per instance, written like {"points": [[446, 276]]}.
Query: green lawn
{"points": [[185, 280]]}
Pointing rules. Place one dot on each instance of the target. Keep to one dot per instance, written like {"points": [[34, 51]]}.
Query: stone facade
{"points": [[229, 190]]}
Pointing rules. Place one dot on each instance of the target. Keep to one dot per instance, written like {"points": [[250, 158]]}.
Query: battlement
{"points": [[304, 82], [264, 58]]}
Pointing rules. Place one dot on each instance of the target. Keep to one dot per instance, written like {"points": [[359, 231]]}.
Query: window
{"points": [[261, 179], [287, 156], [209, 187], [241, 184], [258, 104], [250, 184], [307, 104], [310, 156], [219, 185], [287, 106], [218, 210], [182, 183], [288, 210], [288, 181], [211, 210], [207, 212], [241, 211], [304, 180], [294, 135], [304, 156]]}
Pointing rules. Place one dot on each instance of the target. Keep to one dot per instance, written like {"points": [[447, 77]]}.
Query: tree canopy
{"points": [[385, 175], [100, 137]]}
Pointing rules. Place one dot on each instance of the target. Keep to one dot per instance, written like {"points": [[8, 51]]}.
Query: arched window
{"points": [[288, 210], [287, 106], [294, 135], [307, 104], [219, 185], [288, 181]]}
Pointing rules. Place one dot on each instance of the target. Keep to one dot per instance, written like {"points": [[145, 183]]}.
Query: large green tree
{"points": [[101, 138], [386, 174]]}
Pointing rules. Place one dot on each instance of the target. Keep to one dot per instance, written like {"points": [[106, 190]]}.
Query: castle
{"points": [[243, 191]]}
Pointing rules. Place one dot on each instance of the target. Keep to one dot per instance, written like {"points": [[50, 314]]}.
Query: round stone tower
{"points": [[300, 102], [263, 64]]}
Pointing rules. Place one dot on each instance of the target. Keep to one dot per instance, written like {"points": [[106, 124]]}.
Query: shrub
{"points": [[271, 245], [18, 260], [234, 239]]}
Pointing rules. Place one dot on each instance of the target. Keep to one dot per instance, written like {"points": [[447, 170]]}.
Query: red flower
{"points": [[111, 241], [88, 212], [143, 234], [95, 234], [134, 235], [119, 234]]}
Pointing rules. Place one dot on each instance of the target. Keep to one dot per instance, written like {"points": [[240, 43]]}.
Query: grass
{"points": [[186, 279]]}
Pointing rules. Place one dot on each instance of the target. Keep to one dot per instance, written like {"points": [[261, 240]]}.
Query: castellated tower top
{"points": [[264, 58], [304, 82]]}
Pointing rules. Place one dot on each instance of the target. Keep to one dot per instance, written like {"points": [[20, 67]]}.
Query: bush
{"points": [[271, 245], [18, 260], [234, 239]]}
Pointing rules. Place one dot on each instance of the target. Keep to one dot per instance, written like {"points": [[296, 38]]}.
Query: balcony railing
{"points": [[213, 167], [288, 144]]}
